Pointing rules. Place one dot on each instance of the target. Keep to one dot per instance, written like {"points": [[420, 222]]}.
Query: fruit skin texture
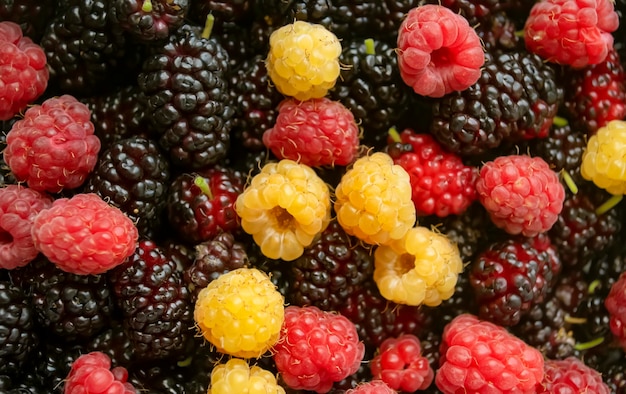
{"points": [[521, 193], [401, 365], [23, 72], [17, 327], [84, 235], [615, 303], [303, 60], [54, 147], [571, 376], [421, 268], [91, 373], [236, 376], [373, 200], [603, 160], [571, 32], [481, 357], [19, 206], [442, 184], [314, 132], [284, 208], [316, 349], [372, 387], [438, 51], [240, 313]]}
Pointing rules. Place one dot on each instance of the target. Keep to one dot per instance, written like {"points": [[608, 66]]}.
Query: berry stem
{"points": [[185, 363], [393, 133], [369, 46], [589, 345], [575, 320], [559, 121], [569, 182], [146, 6], [208, 26], [203, 185], [610, 203], [593, 286]]}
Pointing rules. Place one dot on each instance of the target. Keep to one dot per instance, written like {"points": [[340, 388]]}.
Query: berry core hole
{"points": [[441, 57], [406, 263], [284, 219], [5, 237]]}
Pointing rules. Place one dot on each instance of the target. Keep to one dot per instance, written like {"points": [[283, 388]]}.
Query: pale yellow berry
{"points": [[604, 160], [237, 376]]}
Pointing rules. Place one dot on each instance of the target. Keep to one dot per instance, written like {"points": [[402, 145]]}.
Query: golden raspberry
{"points": [[284, 208], [236, 376], [373, 200], [303, 60], [604, 161], [421, 268], [240, 313]]}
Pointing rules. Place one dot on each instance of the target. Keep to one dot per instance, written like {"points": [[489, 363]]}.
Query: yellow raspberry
{"points": [[303, 60], [284, 208], [604, 160], [240, 313], [421, 268], [373, 200], [236, 376]]}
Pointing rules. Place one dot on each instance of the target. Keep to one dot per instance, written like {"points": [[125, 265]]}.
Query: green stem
{"points": [[395, 136], [610, 203], [369, 46], [569, 182], [589, 345], [593, 286], [203, 185], [208, 26], [146, 6], [559, 121]]}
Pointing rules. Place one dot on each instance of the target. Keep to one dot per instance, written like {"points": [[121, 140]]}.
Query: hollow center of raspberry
{"points": [[284, 219], [406, 264], [441, 57], [5, 237]]}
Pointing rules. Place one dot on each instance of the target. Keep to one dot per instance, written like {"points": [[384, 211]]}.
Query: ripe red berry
{"points": [[54, 147], [23, 71], [91, 373], [84, 235], [571, 375], [438, 51], [401, 365], [373, 387], [615, 303]]}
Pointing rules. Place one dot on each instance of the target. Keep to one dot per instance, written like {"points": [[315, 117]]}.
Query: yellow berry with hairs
{"points": [[604, 160], [236, 376]]}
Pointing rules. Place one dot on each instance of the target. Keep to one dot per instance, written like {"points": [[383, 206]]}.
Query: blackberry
{"points": [[149, 20], [83, 47], [371, 87], [363, 374], [188, 104], [214, 257], [155, 303], [498, 32], [330, 270], [516, 98], [18, 339], [255, 103], [226, 12], [182, 254], [133, 175], [113, 342], [118, 115], [32, 15], [614, 375], [53, 362], [475, 11], [72, 307]]}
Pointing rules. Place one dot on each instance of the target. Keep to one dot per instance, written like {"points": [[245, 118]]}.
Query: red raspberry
{"points": [[18, 207], [23, 70], [84, 235], [571, 32], [54, 146], [571, 376], [481, 357], [521, 193], [316, 349], [373, 387], [615, 304], [91, 373], [401, 365], [438, 51], [314, 132], [441, 183]]}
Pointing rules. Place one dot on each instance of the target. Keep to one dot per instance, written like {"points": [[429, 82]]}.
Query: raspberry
{"points": [[481, 357], [18, 208], [571, 375], [316, 349], [91, 373], [240, 313], [442, 184], [438, 51], [571, 32], [373, 387], [373, 200], [54, 147], [315, 132], [23, 72], [603, 160], [236, 376], [521, 193], [421, 268], [84, 235], [284, 208], [615, 304], [303, 60], [401, 365]]}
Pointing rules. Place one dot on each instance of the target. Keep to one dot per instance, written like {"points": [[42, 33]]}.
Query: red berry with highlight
{"points": [[373, 387], [571, 376], [615, 303], [91, 373]]}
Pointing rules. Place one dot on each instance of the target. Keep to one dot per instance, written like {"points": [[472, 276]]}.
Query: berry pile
{"points": [[312, 196]]}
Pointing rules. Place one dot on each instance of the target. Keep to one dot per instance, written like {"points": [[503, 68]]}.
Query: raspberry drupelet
{"points": [[615, 304], [284, 208], [240, 313], [420, 268], [372, 387], [303, 60], [438, 51], [373, 200], [91, 373], [236, 376], [571, 375], [603, 161]]}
